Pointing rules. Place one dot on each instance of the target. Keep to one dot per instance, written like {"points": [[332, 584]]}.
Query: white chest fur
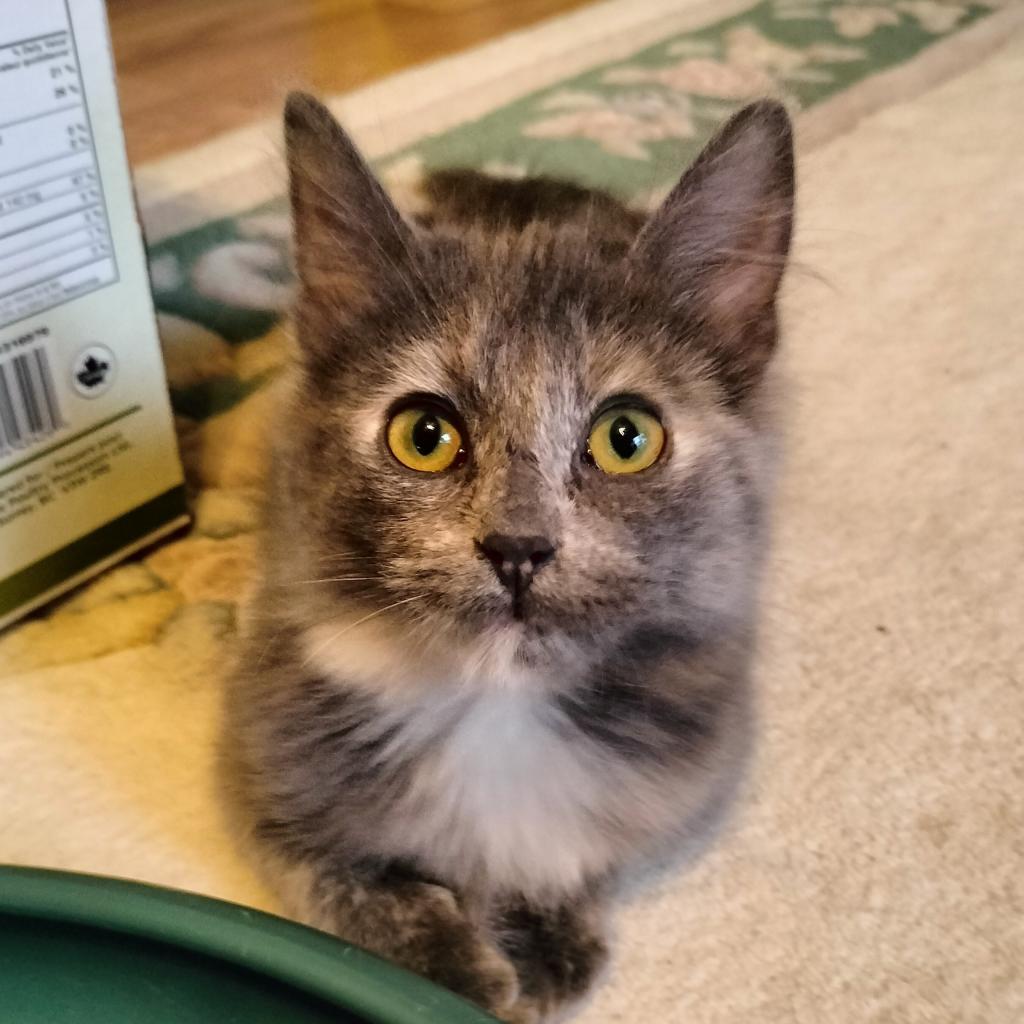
{"points": [[502, 790], [505, 794]]}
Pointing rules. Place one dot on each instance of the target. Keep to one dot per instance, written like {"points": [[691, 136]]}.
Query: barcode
{"points": [[29, 411]]}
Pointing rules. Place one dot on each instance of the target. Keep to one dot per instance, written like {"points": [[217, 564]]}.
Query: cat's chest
{"points": [[506, 790]]}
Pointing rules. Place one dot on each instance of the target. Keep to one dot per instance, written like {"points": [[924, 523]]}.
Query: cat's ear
{"points": [[348, 236], [722, 236]]}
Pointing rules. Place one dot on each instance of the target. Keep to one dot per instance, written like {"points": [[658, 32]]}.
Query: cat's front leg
{"points": [[419, 925], [559, 950]]}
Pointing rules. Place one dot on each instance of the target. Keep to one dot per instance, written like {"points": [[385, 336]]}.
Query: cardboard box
{"points": [[89, 470]]}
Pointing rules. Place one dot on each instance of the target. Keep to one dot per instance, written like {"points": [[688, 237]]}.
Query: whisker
{"points": [[334, 579], [366, 618], [344, 558]]}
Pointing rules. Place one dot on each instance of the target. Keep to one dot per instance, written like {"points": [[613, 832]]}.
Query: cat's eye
{"points": [[625, 440], [425, 439]]}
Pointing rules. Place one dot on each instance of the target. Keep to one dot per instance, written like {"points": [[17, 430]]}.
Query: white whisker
{"points": [[334, 579], [352, 625]]}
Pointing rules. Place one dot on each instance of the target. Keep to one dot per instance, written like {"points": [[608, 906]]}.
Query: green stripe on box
{"points": [[74, 558]]}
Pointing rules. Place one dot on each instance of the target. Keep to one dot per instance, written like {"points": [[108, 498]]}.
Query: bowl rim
{"points": [[307, 960]]}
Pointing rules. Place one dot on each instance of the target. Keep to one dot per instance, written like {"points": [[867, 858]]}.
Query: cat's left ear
{"points": [[349, 238], [722, 237]]}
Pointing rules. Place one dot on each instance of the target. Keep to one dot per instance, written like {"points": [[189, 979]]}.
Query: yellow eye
{"points": [[625, 440], [424, 440]]}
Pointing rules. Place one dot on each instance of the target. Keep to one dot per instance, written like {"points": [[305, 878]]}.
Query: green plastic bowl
{"points": [[79, 949]]}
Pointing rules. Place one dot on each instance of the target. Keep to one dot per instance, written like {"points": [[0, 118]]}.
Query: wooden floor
{"points": [[190, 69]]}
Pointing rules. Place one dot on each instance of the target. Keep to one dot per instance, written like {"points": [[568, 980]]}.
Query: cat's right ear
{"points": [[348, 237], [721, 238]]}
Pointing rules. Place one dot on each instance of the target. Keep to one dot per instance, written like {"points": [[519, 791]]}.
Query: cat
{"points": [[498, 661]]}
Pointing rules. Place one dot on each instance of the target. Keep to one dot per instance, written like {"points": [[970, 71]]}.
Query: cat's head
{"points": [[517, 451]]}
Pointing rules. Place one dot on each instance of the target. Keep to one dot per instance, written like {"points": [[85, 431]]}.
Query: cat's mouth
{"points": [[518, 607], [517, 617], [521, 609], [522, 624]]}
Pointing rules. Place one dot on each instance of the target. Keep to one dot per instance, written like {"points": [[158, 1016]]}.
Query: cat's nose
{"points": [[516, 559]]}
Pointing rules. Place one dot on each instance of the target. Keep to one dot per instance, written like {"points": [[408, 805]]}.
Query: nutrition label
{"points": [[55, 240]]}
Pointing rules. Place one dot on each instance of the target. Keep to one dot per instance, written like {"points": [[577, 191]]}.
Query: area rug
{"points": [[873, 872]]}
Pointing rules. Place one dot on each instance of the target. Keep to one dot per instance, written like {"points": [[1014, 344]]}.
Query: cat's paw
{"points": [[558, 954], [451, 951], [523, 1011], [480, 973]]}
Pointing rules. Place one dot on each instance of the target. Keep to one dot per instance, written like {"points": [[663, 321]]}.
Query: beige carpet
{"points": [[875, 872]]}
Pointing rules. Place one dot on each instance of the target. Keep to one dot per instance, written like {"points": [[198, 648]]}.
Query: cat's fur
{"points": [[428, 775]]}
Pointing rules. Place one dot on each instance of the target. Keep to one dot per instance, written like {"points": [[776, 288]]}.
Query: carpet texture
{"points": [[873, 872]]}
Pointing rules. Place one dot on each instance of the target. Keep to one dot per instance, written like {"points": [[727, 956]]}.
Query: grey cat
{"points": [[499, 658]]}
